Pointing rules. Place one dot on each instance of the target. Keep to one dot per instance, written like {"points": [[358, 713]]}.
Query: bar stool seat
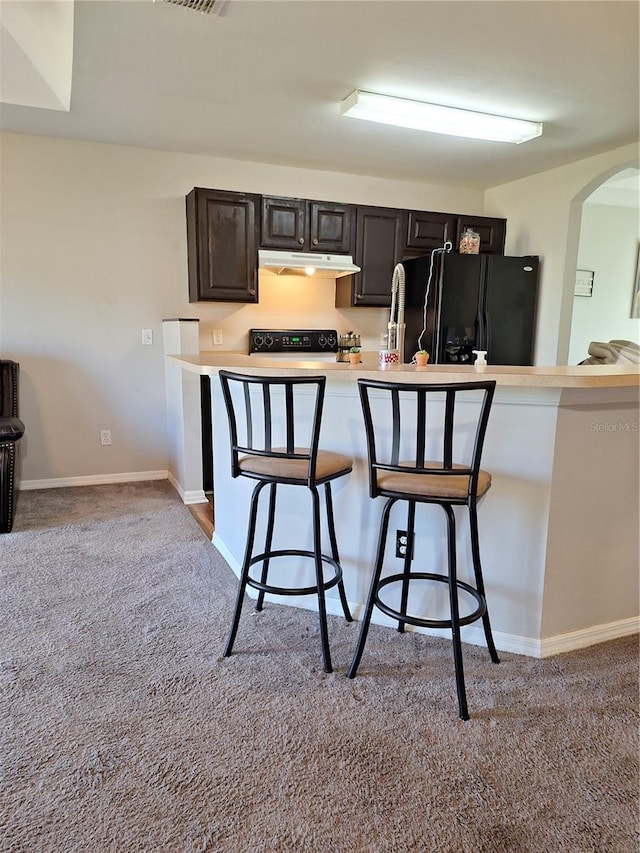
{"points": [[413, 433], [286, 469], [432, 485], [274, 430]]}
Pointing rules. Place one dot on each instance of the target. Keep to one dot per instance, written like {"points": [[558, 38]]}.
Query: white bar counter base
{"points": [[183, 430], [558, 528]]}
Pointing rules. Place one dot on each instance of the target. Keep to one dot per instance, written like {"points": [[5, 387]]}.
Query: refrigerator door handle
{"points": [[486, 344], [438, 359], [481, 342]]}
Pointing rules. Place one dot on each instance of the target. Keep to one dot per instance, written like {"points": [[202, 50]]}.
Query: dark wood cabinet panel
{"points": [[379, 243], [284, 223], [330, 227], [427, 231], [222, 246], [493, 233], [309, 226]]}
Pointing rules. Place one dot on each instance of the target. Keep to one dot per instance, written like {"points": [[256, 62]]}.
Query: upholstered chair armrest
{"points": [[11, 429]]}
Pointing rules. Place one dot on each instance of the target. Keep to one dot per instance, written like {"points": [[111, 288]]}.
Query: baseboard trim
{"points": [[92, 480], [234, 565], [472, 634], [191, 496], [513, 643], [589, 637]]}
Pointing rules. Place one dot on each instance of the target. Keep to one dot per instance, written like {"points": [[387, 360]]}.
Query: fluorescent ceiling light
{"points": [[438, 119]]}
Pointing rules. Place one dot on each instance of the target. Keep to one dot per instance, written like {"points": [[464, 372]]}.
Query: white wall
{"points": [[94, 250], [543, 213], [609, 247], [591, 577]]}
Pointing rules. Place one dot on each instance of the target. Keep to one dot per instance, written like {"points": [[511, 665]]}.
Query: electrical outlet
{"points": [[401, 543], [216, 337], [105, 437], [147, 337]]}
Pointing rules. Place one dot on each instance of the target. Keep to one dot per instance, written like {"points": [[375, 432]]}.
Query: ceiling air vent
{"points": [[208, 7]]}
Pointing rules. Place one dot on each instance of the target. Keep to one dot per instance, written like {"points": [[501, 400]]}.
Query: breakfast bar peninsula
{"points": [[558, 528]]}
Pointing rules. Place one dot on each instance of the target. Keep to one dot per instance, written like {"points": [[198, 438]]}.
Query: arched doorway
{"points": [[603, 241]]}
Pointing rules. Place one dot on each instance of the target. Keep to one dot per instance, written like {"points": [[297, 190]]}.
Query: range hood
{"points": [[306, 263]]}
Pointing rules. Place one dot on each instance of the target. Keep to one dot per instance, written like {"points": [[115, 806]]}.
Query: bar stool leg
{"points": [[373, 589], [251, 532], [477, 569], [455, 613], [334, 550], [322, 610], [411, 517], [267, 543]]}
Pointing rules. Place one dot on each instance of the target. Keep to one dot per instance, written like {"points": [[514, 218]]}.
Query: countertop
{"points": [[581, 376]]}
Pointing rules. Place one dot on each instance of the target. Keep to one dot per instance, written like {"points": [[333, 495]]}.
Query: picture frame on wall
{"points": [[635, 301], [584, 283]]}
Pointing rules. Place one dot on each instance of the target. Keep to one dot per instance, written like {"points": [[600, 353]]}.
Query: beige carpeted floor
{"points": [[125, 731]]}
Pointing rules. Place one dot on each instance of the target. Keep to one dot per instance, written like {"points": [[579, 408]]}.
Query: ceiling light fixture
{"points": [[435, 118]]}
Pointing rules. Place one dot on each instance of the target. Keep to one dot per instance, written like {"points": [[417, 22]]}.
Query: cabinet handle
{"points": [[315, 241], [301, 240], [252, 292]]}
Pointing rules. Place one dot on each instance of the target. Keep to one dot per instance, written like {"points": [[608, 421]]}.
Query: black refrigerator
{"points": [[481, 302]]}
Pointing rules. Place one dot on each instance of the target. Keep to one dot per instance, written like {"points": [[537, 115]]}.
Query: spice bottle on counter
{"points": [[469, 242], [345, 342]]}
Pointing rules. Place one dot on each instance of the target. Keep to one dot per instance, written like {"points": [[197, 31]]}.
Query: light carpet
{"points": [[125, 731]]}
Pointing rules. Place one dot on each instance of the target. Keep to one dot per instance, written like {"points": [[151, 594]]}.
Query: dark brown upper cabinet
{"points": [[309, 226], [222, 246], [428, 231], [493, 233], [379, 244], [225, 229]]}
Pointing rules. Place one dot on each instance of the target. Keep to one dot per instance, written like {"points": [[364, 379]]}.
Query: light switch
{"points": [[147, 337]]}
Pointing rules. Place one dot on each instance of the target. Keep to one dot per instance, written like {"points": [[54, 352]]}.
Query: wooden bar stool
{"points": [[414, 433], [274, 428]]}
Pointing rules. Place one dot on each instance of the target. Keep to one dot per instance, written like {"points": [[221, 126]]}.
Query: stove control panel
{"points": [[293, 340]]}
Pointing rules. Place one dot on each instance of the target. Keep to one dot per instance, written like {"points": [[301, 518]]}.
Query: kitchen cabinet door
{"points": [[428, 231], [222, 246], [493, 233], [307, 226], [379, 243], [330, 227], [283, 223]]}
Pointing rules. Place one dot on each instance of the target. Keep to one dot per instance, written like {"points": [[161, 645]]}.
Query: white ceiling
{"points": [[263, 81]]}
